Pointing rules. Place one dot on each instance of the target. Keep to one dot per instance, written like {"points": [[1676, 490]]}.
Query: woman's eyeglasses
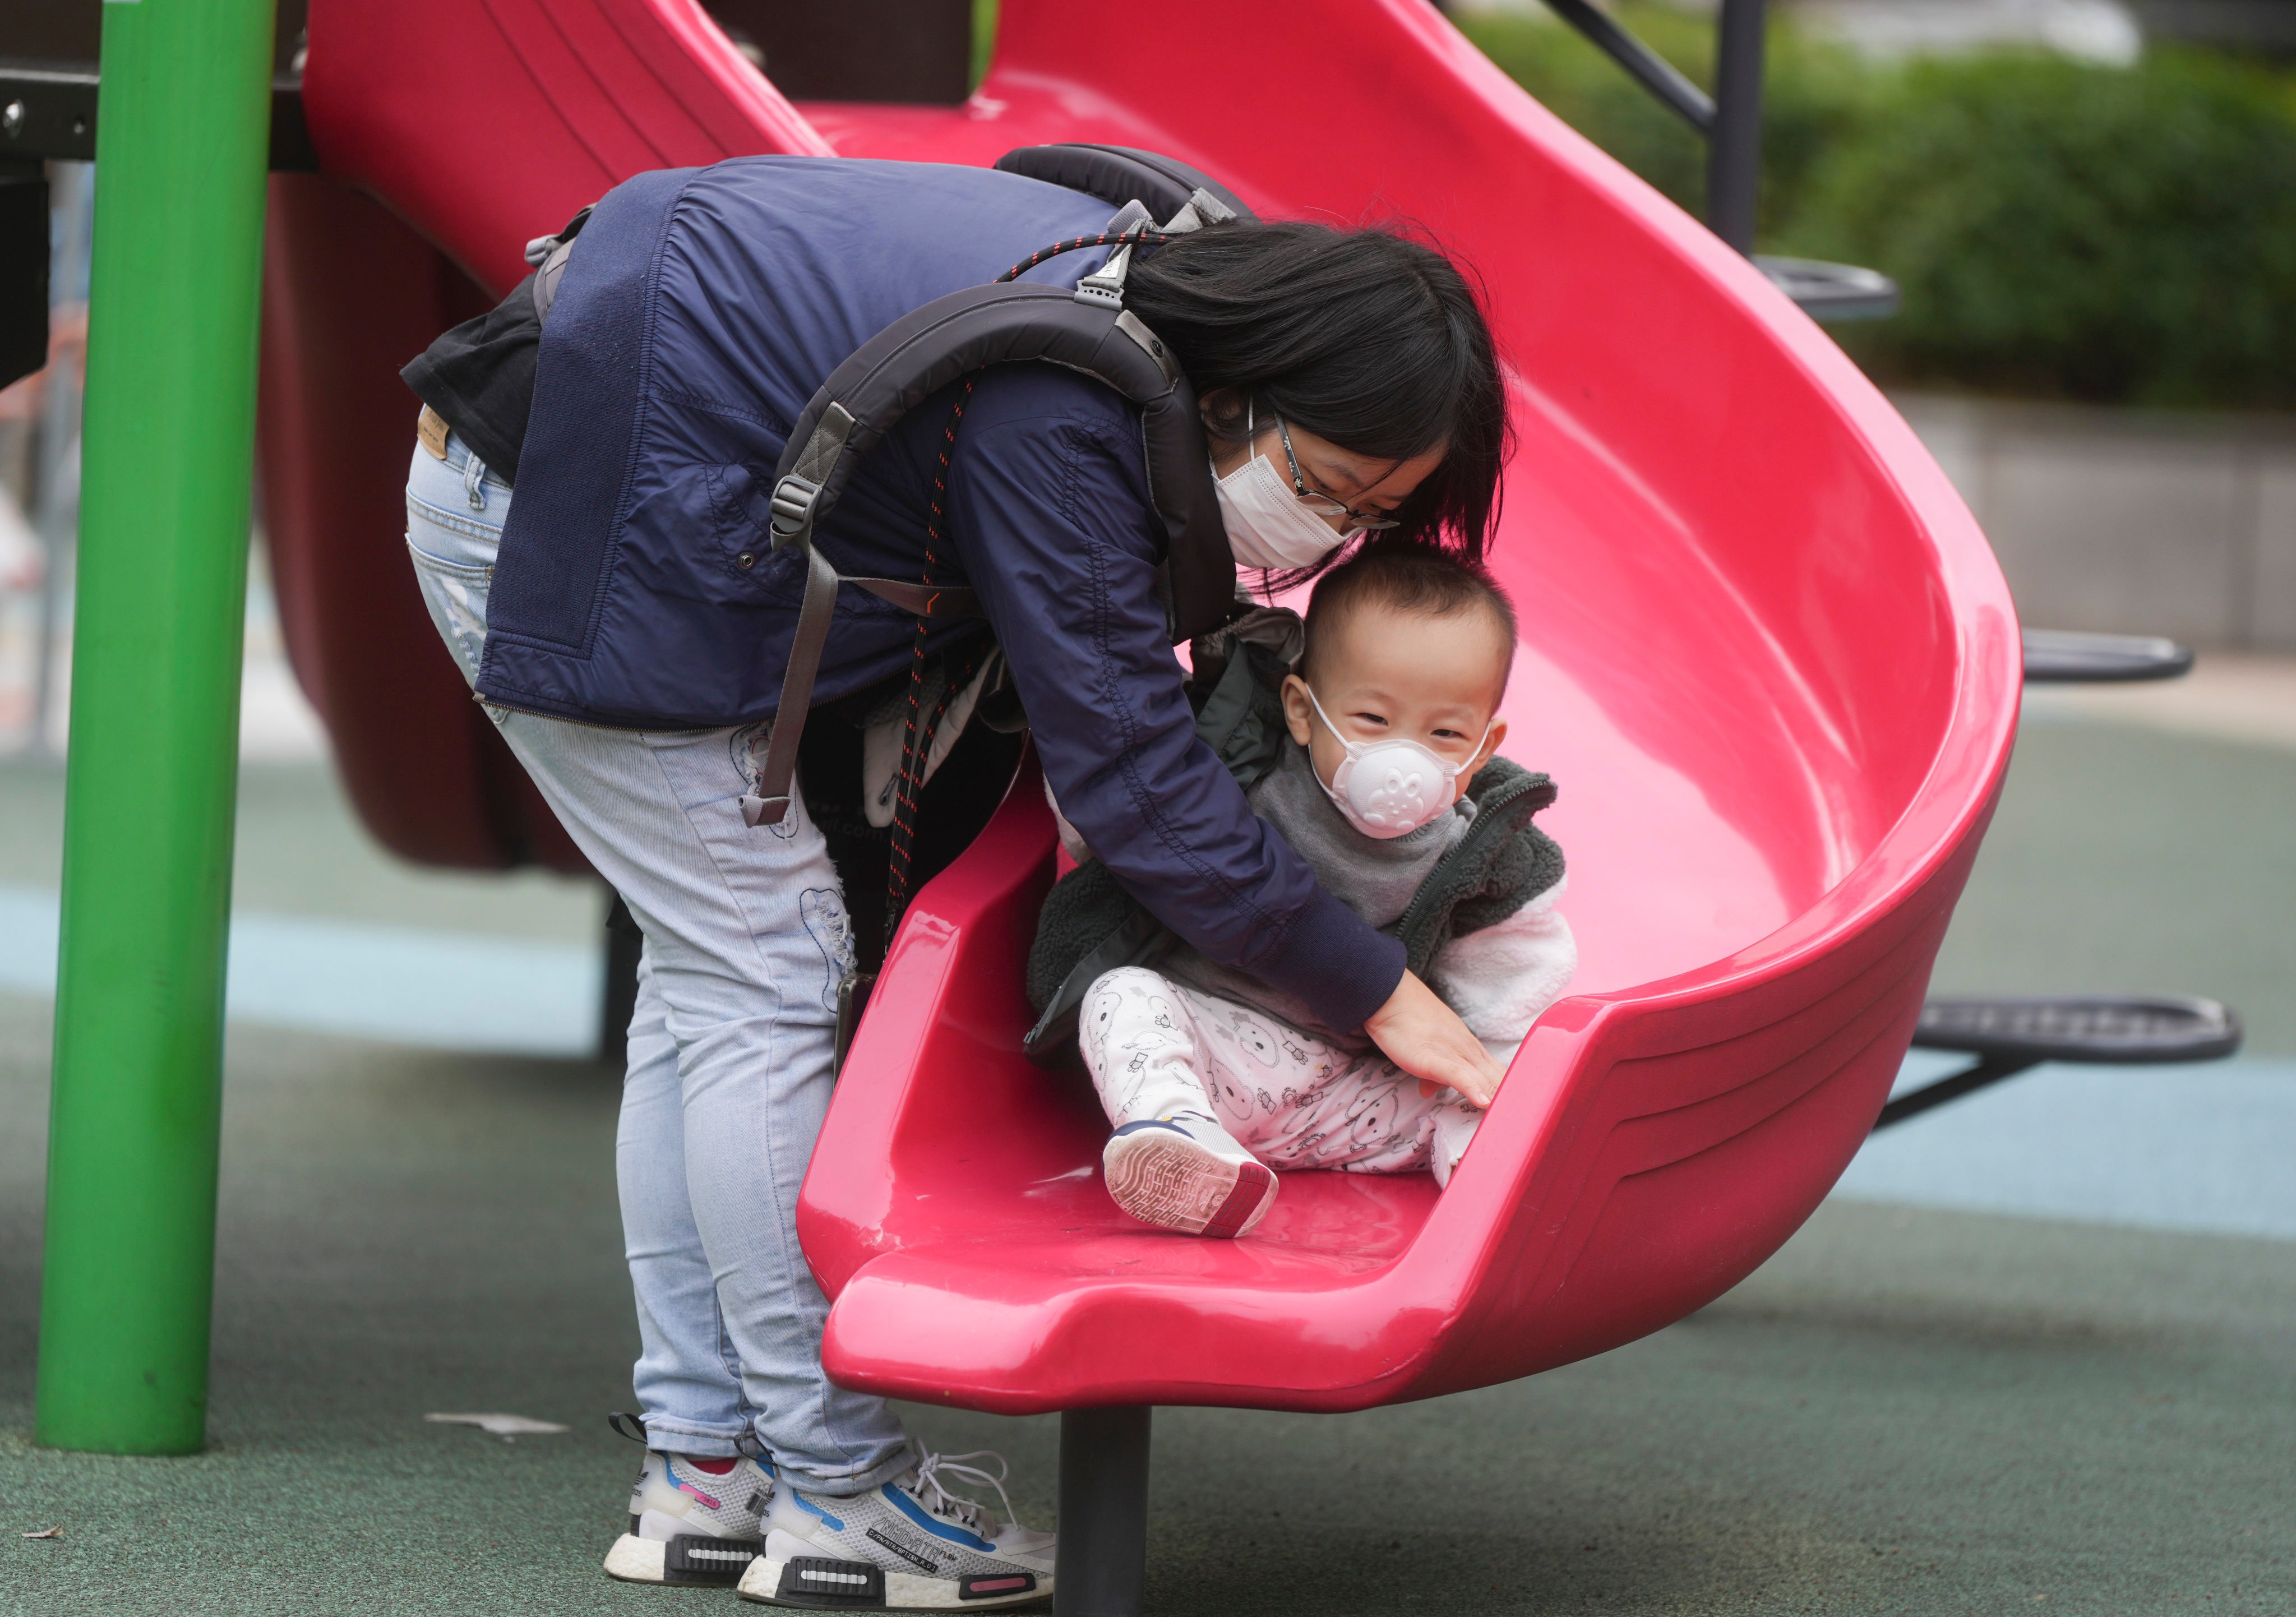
{"points": [[1323, 504]]}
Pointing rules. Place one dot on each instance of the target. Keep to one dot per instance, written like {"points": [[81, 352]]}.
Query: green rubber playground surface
{"points": [[1926, 1412]]}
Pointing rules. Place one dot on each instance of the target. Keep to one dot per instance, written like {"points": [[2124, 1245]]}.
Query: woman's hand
{"points": [[1425, 1037]]}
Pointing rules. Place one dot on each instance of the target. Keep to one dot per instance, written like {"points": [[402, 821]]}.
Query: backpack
{"points": [[1086, 330]]}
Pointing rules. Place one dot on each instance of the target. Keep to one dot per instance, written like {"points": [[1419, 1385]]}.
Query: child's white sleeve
{"points": [[1501, 977]]}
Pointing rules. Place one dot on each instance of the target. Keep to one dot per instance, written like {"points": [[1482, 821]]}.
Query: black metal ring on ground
{"points": [[2012, 1035], [2057, 656]]}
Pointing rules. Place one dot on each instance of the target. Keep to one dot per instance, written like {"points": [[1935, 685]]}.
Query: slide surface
{"points": [[1765, 655]]}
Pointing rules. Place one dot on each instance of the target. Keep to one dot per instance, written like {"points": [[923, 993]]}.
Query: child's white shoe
{"points": [[1185, 1172]]}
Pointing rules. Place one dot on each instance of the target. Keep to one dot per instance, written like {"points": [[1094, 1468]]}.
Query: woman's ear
{"points": [[1221, 411], [1219, 405], [1297, 709]]}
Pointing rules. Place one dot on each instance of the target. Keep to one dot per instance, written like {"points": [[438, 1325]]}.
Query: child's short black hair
{"points": [[1412, 577]]}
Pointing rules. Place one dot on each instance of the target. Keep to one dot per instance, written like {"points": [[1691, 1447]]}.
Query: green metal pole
{"points": [[152, 779]]}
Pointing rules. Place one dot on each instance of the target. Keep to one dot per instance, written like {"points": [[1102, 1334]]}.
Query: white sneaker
{"points": [[691, 1522], [907, 1543], [1187, 1173]]}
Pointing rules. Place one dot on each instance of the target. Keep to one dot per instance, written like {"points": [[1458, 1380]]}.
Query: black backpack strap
{"points": [[1088, 330], [1118, 175], [924, 351]]}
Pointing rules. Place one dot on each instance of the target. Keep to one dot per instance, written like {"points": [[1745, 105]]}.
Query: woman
{"points": [[627, 627]]}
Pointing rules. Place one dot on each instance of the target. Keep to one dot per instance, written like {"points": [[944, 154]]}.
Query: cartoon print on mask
{"points": [[823, 911], [747, 746]]}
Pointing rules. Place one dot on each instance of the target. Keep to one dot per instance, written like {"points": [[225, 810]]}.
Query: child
{"points": [[1380, 772]]}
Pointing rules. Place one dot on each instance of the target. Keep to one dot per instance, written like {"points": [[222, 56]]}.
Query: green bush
{"points": [[1813, 96], [2123, 236], [2059, 229]]}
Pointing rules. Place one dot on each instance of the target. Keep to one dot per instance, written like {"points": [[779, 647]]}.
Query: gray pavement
{"points": [[1905, 1412], [1910, 1409], [2126, 859]]}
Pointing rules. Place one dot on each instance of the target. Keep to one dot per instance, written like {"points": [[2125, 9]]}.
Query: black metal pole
{"points": [[1101, 1567], [1650, 69], [1733, 154], [1967, 1081]]}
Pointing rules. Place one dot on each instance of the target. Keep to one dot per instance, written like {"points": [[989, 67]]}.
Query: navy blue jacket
{"points": [[700, 312]]}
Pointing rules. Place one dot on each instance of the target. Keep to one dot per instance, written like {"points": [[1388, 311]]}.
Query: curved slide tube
{"points": [[1766, 652]]}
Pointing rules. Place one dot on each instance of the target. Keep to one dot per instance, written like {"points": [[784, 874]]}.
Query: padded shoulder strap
{"points": [[1006, 322], [1118, 175], [1003, 323], [923, 352], [928, 348]]}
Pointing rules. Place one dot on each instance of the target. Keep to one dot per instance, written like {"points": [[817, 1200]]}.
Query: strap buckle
{"points": [[793, 508], [1106, 286]]}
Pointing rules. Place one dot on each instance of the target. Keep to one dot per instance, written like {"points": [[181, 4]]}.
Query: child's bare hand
{"points": [[1425, 1037]]}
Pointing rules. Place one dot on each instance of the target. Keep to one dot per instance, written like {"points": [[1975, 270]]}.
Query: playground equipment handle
{"points": [[152, 780]]}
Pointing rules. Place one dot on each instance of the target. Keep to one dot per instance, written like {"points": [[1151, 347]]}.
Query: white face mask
{"points": [[1388, 788], [1267, 525]]}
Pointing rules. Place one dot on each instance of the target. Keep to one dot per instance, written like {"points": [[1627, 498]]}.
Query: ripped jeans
{"points": [[729, 1048]]}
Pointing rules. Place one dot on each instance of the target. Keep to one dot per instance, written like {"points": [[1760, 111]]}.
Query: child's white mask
{"points": [[1267, 525], [1388, 788]]}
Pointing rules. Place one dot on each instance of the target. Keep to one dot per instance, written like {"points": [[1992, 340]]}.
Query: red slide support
{"points": [[1765, 651]]}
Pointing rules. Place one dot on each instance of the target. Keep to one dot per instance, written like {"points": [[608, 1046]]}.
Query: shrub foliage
{"points": [[2059, 229]]}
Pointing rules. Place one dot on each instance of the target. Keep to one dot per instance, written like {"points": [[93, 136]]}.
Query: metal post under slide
{"points": [[151, 781], [1102, 1565], [1733, 151]]}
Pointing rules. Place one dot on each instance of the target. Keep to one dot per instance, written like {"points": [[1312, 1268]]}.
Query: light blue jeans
{"points": [[729, 1048]]}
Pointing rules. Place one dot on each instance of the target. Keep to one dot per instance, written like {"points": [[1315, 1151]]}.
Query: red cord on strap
{"points": [[916, 738], [1104, 239]]}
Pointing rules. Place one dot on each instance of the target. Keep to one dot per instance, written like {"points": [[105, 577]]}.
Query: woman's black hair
{"points": [[1364, 337]]}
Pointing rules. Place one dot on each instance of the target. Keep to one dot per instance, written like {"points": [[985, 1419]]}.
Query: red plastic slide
{"points": [[1766, 652]]}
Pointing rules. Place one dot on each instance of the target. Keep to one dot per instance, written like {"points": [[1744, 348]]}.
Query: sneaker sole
{"points": [[636, 1560], [1163, 1178], [904, 1591]]}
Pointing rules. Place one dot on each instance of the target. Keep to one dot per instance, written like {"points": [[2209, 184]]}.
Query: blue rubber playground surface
{"points": [[2038, 1352]]}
